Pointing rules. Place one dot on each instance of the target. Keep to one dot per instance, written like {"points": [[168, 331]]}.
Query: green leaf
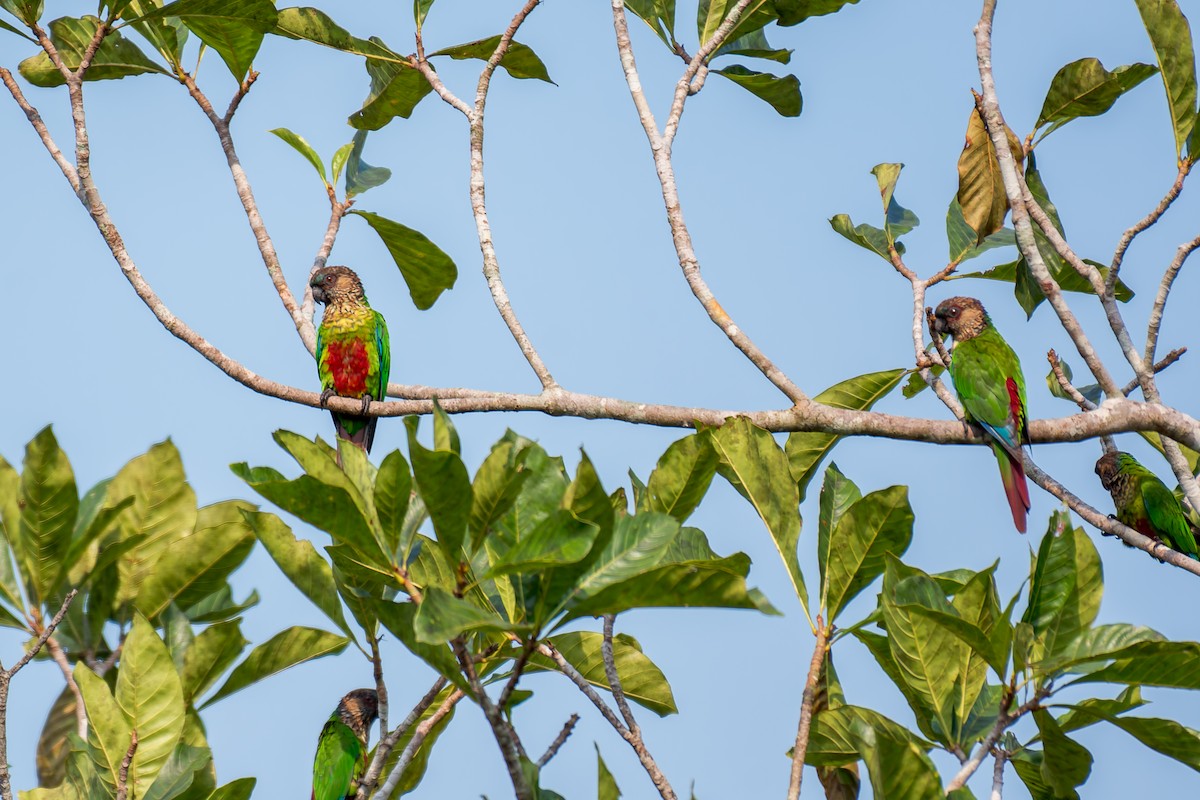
{"points": [[303, 148], [520, 61], [755, 465], [781, 93], [962, 238], [11, 553], [682, 476], [1029, 764], [1152, 663], [334, 509], [899, 769], [163, 511], [1091, 391], [1084, 88], [793, 12], [396, 89], [212, 652], [179, 772], [1067, 763], [239, 789], [637, 545], [559, 539], [834, 741], [361, 176], [659, 15], [442, 616], [167, 35], [753, 45], [315, 26], [805, 450], [898, 220], [981, 192], [400, 618], [234, 28], [717, 583], [108, 730], [201, 562], [497, 484], [1093, 710], [420, 11], [117, 57], [1163, 735], [340, 157], [877, 525], [864, 235], [289, 647], [300, 562], [151, 697], [443, 483], [1171, 37], [838, 493], [392, 494], [48, 504], [641, 680], [28, 11], [1065, 591], [1095, 645], [606, 784], [427, 270], [54, 741]]}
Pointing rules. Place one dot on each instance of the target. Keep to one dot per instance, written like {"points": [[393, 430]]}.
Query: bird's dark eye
{"points": [[329, 279], [953, 311]]}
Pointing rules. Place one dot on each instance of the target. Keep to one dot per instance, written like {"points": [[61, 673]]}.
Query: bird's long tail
{"points": [[1012, 472]]}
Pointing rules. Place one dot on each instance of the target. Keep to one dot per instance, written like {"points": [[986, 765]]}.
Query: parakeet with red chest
{"points": [[353, 350], [987, 377]]}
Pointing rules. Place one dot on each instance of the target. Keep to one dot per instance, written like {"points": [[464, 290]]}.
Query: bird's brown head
{"points": [[960, 317], [1108, 468], [359, 709], [336, 284]]}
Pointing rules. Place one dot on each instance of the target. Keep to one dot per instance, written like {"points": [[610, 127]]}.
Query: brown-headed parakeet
{"points": [[353, 351], [987, 377], [342, 749], [1144, 503]]}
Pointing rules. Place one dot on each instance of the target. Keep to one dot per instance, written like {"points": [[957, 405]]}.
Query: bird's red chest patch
{"points": [[350, 367]]}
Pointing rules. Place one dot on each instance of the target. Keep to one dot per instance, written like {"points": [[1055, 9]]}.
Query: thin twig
{"points": [[1164, 291], [614, 679], [559, 741], [1167, 360], [60, 658], [806, 710], [1003, 723], [414, 744], [6, 676], [35, 119], [387, 741], [1185, 166], [1056, 366], [506, 736]]}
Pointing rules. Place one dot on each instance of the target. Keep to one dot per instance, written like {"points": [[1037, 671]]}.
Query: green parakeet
{"points": [[987, 377], [1144, 503], [342, 749], [354, 354]]}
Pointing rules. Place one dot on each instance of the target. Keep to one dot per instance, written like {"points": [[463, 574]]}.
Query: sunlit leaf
{"points": [[1171, 37], [426, 268], [641, 680], [981, 192], [1084, 88], [519, 61], [117, 57], [782, 93]]}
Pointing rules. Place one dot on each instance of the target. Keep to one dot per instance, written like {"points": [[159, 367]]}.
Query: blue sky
{"points": [[588, 263]]}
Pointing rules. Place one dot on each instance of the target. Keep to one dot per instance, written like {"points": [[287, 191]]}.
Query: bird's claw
{"points": [[366, 403], [325, 395]]}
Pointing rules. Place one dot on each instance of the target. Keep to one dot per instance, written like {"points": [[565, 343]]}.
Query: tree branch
{"points": [[1164, 291], [1001, 756], [806, 710], [661, 150], [1003, 722], [123, 772], [1185, 167], [418, 738], [506, 736], [6, 676], [387, 741]]}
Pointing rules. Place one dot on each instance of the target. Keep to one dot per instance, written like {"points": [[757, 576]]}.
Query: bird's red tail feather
{"points": [[1012, 472]]}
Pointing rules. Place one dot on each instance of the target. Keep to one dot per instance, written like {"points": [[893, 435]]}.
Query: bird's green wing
{"points": [[987, 377], [1166, 515], [383, 345], [322, 369], [338, 762]]}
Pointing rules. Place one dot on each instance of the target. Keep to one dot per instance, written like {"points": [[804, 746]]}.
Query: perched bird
{"points": [[987, 377], [1144, 503], [354, 355], [342, 749]]}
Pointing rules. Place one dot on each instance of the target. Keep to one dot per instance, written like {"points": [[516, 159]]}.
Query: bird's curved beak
{"points": [[319, 295]]}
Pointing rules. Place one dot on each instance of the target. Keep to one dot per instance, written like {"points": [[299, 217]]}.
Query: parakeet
{"points": [[987, 377], [342, 749], [1144, 503], [353, 351]]}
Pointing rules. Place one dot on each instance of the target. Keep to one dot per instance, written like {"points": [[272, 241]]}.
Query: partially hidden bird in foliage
{"points": [[342, 749], [1144, 502], [987, 377], [354, 354]]}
